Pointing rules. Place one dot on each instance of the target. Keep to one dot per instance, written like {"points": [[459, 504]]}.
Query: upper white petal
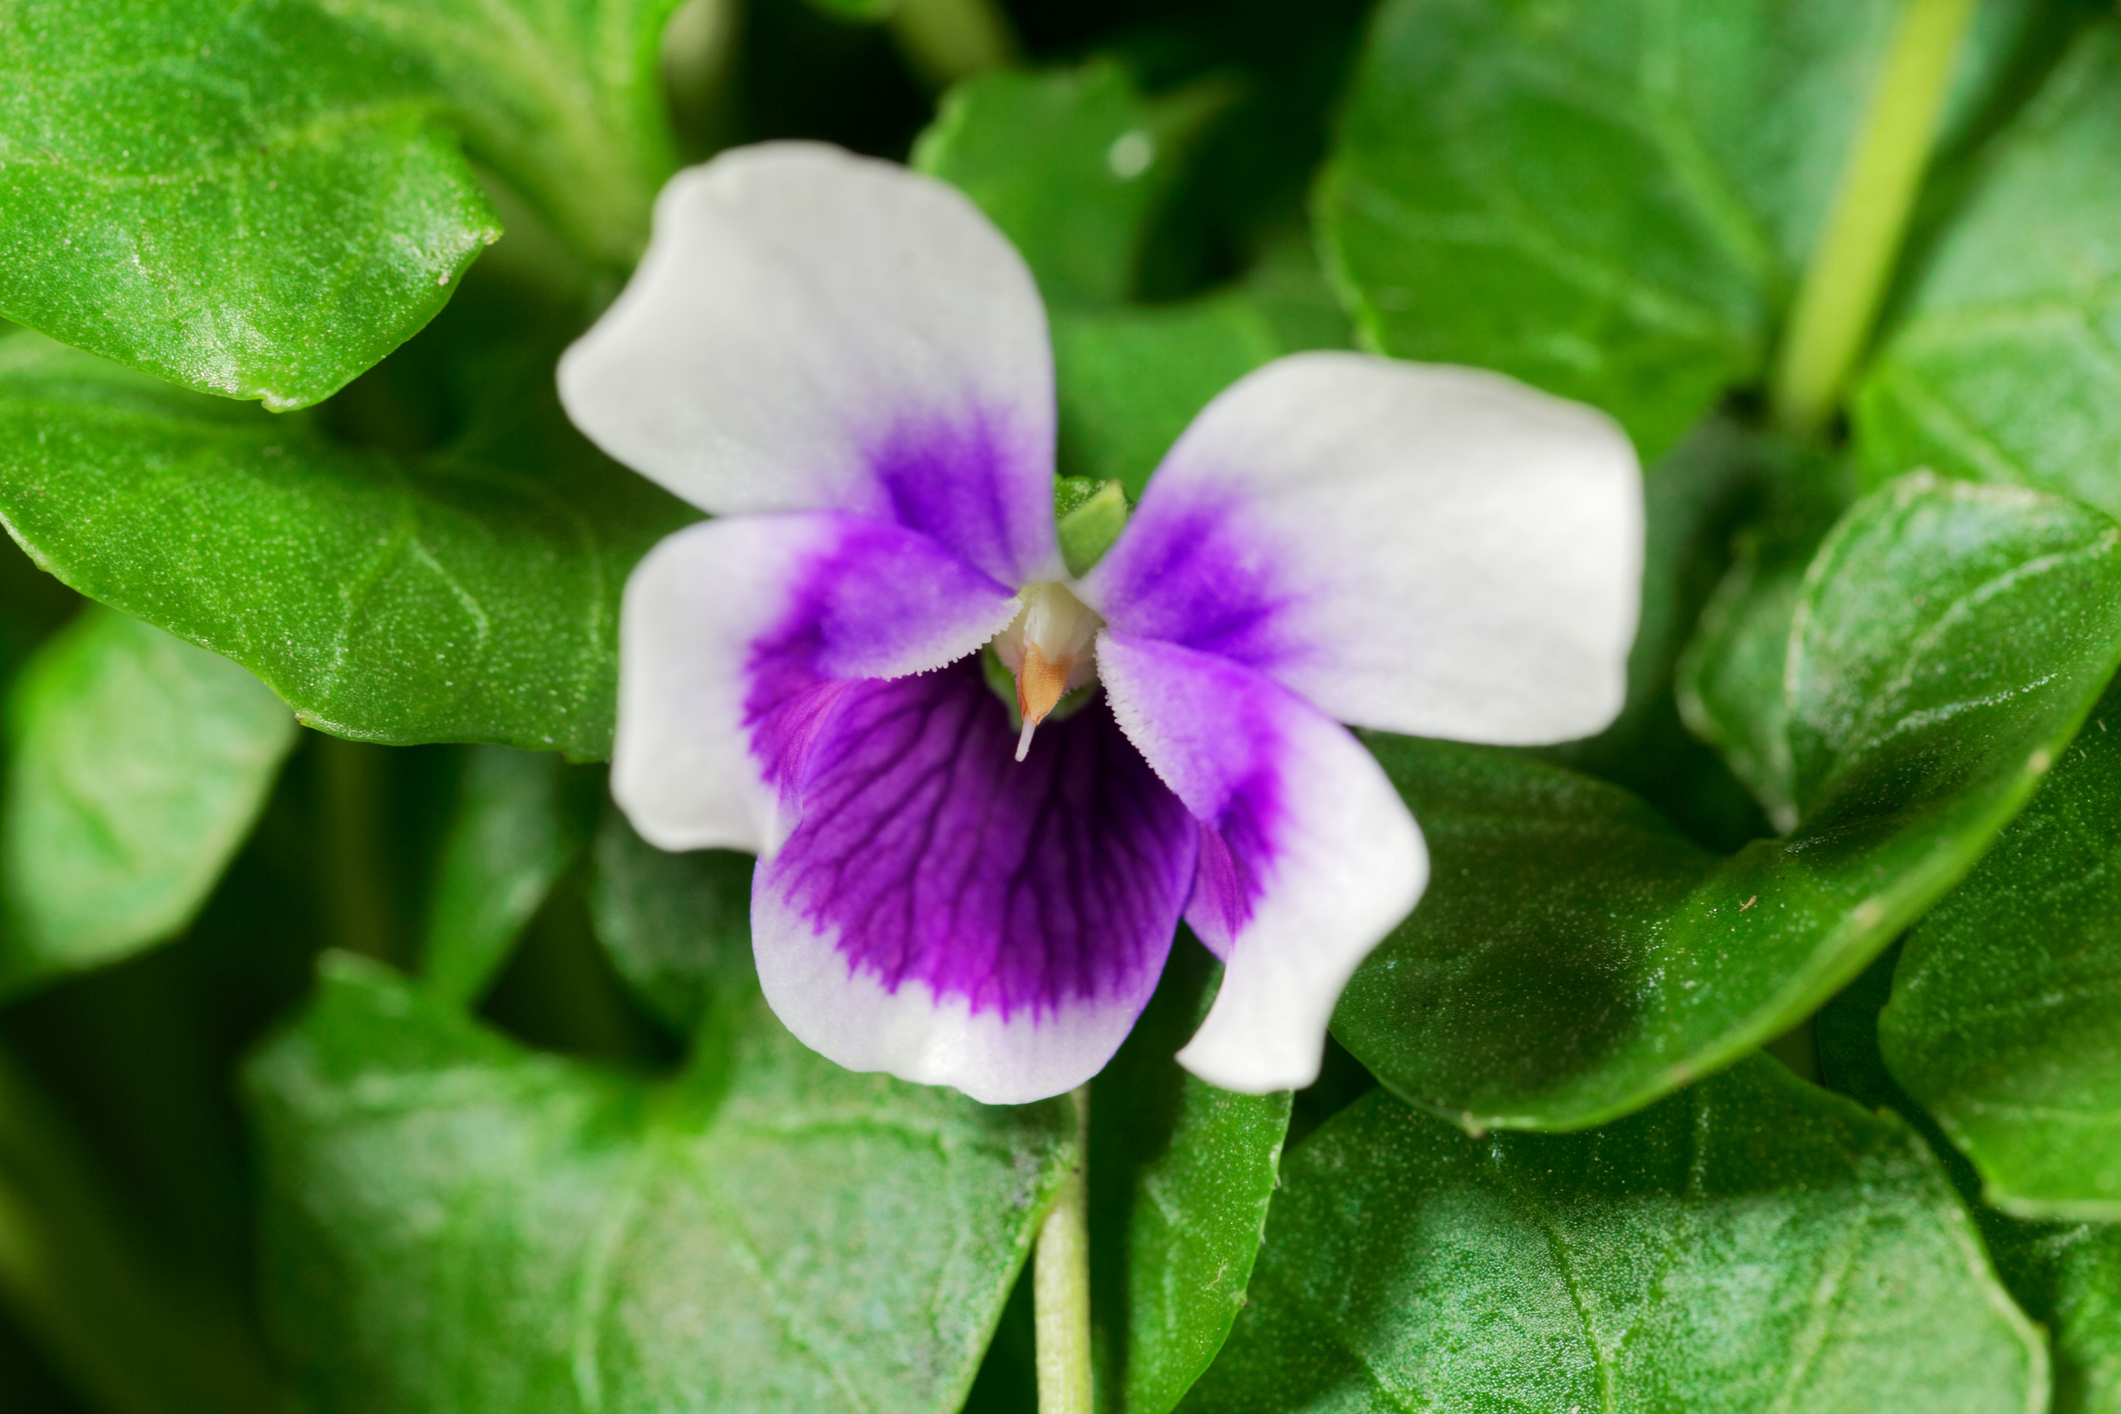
{"points": [[1422, 549], [804, 321]]}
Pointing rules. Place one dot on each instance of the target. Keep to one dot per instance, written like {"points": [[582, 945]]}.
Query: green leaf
{"points": [[677, 927], [1180, 1177], [2002, 1015], [1729, 682], [2069, 1280], [1694, 498], [561, 97], [1131, 380], [467, 596], [138, 763], [453, 1223], [2003, 367], [231, 197], [1072, 164], [1753, 1244], [1585, 194], [262, 200], [512, 838], [1575, 957]]}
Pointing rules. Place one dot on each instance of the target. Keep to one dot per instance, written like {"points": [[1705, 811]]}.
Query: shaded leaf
{"points": [[1130, 381], [137, 765], [1180, 1177], [511, 839], [467, 596], [1753, 1244], [1575, 957], [2003, 366], [766, 1232], [2069, 1280], [1729, 682], [1585, 194], [2002, 1021], [677, 927], [1072, 164]]}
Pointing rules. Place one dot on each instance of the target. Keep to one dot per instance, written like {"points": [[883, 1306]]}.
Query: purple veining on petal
{"points": [[980, 484], [1211, 729], [870, 600], [1188, 570], [932, 855]]}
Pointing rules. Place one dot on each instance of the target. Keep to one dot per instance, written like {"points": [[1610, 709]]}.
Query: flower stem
{"points": [[949, 40], [1060, 1284], [350, 777], [1847, 278]]}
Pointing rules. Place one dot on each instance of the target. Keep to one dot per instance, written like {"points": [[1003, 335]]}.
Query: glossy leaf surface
{"points": [[764, 1232], [2004, 1020], [467, 596], [1752, 1244], [1575, 957], [263, 200]]}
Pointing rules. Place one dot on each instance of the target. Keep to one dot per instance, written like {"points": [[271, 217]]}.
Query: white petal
{"points": [[1308, 858], [732, 627], [1437, 551], [916, 1033], [811, 330]]}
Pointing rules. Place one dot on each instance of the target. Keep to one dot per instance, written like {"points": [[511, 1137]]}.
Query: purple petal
{"points": [[956, 917], [816, 331], [1308, 859], [737, 640], [1430, 550]]}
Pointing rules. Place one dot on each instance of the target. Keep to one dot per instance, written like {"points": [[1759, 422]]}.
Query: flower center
{"points": [[1051, 648]]}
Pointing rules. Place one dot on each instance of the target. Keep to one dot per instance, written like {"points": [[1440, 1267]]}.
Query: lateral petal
{"points": [[1308, 857], [811, 330], [1420, 549], [737, 639], [955, 917]]}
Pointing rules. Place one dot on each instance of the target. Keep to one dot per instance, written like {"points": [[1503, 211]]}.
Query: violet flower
{"points": [[848, 366]]}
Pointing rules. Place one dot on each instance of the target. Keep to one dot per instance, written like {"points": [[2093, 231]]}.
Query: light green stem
{"points": [[350, 774], [1060, 1284], [949, 40], [1848, 274]]}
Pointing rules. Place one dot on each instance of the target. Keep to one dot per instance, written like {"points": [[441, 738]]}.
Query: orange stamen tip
{"points": [[1040, 684]]}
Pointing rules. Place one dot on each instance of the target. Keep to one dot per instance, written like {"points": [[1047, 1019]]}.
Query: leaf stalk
{"points": [[949, 40], [1849, 272], [1060, 1283]]}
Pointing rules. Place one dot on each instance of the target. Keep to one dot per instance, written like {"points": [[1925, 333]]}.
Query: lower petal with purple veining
{"points": [[1308, 856], [953, 916], [737, 638]]}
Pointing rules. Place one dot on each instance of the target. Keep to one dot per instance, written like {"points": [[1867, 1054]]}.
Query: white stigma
{"points": [[1051, 648]]}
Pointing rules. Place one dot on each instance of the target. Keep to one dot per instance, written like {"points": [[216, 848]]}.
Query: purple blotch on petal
{"points": [[870, 600], [1213, 730], [978, 484], [1187, 570], [932, 855]]}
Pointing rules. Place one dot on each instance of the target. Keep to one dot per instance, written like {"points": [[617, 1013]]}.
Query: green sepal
{"points": [[1090, 524]]}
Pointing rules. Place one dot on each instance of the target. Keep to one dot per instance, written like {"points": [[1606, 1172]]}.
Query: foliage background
{"points": [[1762, 1053]]}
